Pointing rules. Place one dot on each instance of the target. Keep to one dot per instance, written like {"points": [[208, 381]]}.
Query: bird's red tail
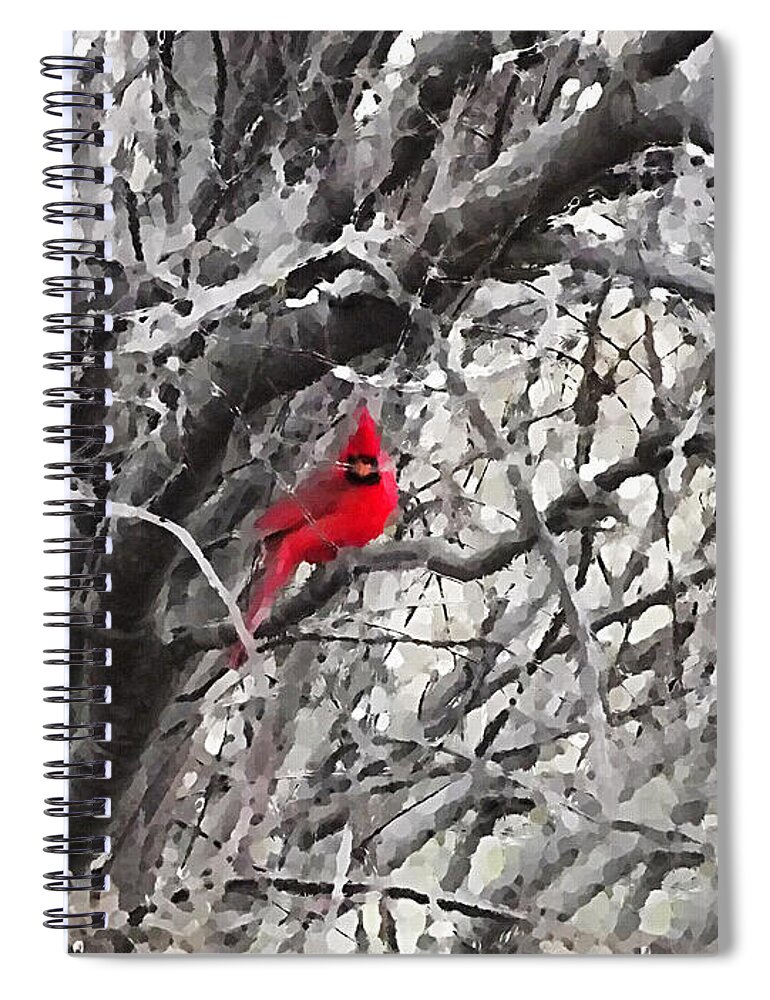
{"points": [[278, 569]]}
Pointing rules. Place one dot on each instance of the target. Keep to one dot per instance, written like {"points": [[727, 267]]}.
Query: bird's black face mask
{"points": [[362, 470]]}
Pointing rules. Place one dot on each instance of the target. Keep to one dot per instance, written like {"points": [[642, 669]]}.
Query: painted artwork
{"points": [[412, 507]]}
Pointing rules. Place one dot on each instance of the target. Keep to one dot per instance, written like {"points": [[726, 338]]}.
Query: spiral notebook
{"points": [[385, 366]]}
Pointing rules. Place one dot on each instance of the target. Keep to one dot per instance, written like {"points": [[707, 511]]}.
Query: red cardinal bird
{"points": [[347, 505]]}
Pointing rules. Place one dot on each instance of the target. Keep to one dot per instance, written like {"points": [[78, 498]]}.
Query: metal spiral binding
{"points": [[53, 65], [86, 475]]}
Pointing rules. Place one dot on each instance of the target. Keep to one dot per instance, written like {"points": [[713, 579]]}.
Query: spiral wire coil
{"points": [[81, 847]]}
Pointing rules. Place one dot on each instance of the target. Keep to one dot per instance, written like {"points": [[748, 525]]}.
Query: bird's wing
{"points": [[311, 500]]}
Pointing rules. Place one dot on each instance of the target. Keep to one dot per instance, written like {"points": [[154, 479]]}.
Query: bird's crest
{"points": [[365, 440]]}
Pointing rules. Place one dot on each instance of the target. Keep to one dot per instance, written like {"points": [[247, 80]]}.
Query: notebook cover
{"points": [[486, 724]]}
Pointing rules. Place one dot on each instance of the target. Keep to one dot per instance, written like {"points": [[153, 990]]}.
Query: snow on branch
{"points": [[242, 632]]}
